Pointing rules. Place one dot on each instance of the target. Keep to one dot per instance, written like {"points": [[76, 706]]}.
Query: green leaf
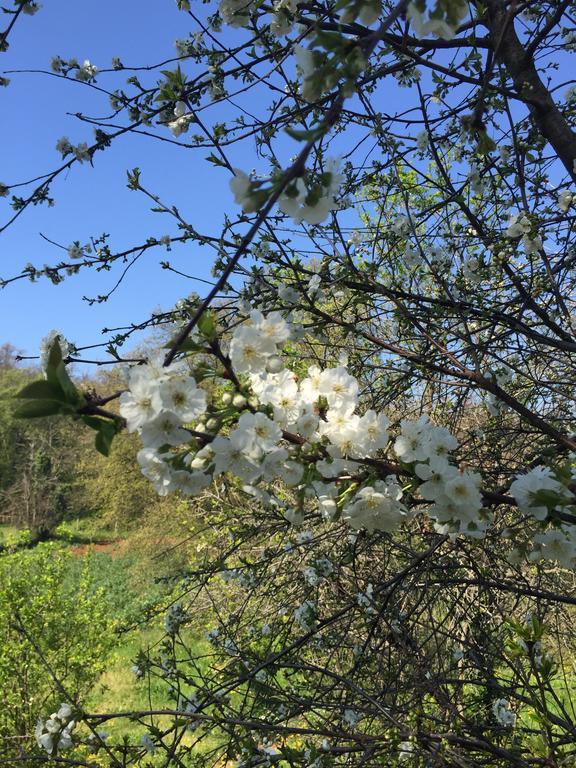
{"points": [[309, 135], [215, 160], [92, 422], [207, 325], [54, 360], [36, 409], [42, 390], [106, 433]]}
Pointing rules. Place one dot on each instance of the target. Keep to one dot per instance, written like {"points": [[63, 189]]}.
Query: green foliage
{"points": [[55, 634]]}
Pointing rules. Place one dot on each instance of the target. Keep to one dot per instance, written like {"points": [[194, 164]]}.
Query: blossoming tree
{"points": [[379, 420]]}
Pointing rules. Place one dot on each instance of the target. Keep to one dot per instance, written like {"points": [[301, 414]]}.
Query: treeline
{"points": [[50, 472]]}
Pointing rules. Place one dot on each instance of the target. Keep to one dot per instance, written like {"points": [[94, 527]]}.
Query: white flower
{"points": [[142, 402], [164, 429], [440, 442], [503, 714], [181, 396], [46, 741], [307, 424], [463, 490], [372, 426], [296, 202], [64, 713], [565, 200], [86, 72], [82, 152], [64, 146], [255, 433], [338, 387], [351, 718], [250, 350], [190, 483], [422, 140], [526, 486], [518, 225], [75, 251], [435, 476], [401, 225], [243, 189], [376, 508], [559, 545], [310, 386], [412, 443], [235, 13], [230, 457], [156, 470], [341, 428], [305, 615], [307, 67], [273, 326], [532, 244], [148, 744]]}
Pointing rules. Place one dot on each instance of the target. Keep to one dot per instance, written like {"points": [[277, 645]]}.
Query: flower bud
{"points": [[239, 401], [227, 398], [274, 364]]}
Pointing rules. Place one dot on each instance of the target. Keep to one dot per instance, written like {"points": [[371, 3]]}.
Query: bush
{"points": [[55, 634]]}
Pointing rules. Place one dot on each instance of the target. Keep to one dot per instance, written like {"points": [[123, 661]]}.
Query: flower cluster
{"points": [[307, 432], [183, 118], [309, 202], [503, 714], [314, 204], [87, 72], [81, 151], [456, 496], [443, 22], [159, 401], [55, 734], [520, 225]]}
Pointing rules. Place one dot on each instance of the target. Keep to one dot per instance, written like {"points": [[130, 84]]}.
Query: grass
{"points": [[118, 689]]}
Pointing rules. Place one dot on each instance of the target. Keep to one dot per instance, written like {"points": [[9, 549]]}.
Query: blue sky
{"points": [[38, 109], [90, 201]]}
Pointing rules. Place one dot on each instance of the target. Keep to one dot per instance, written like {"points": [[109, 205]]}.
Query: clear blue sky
{"points": [[90, 201]]}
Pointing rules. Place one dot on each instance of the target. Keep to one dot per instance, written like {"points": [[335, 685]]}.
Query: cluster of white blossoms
{"points": [[159, 401], [310, 203], [315, 204], [55, 734], [81, 151], [271, 425], [456, 497], [87, 72], [183, 118], [519, 225], [565, 200], [77, 251], [505, 716], [538, 491], [377, 507], [236, 13], [443, 23]]}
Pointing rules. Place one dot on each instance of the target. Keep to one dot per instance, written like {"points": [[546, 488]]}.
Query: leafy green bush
{"points": [[55, 635]]}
